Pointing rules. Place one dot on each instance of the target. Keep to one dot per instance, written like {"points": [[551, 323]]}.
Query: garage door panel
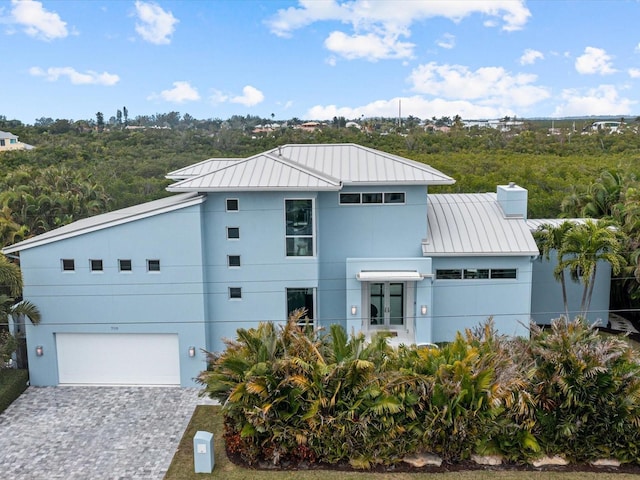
{"points": [[118, 359]]}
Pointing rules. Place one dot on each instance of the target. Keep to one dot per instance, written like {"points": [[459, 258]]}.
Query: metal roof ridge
{"points": [[308, 170]]}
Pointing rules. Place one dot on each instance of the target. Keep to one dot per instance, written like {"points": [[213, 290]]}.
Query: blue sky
{"points": [[316, 59]]}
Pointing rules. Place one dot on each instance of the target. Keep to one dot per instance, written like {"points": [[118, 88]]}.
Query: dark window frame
{"points": [[123, 266], [96, 265], [68, 264], [235, 293], [153, 265], [232, 204]]}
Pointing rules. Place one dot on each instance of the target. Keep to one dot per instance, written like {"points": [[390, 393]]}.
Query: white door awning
{"points": [[389, 276]]}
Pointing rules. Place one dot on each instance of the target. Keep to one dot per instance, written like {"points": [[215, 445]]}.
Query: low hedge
{"points": [[12, 383], [292, 395]]}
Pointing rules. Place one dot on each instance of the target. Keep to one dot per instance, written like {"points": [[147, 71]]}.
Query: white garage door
{"points": [[118, 359]]}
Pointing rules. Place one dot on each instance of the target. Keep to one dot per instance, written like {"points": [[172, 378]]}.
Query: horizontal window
{"points": [[371, 198], [235, 292], [503, 273], [96, 265], [68, 264], [475, 273], [449, 274]]}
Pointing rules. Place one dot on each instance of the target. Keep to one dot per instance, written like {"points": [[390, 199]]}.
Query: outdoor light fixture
{"points": [[423, 309], [192, 351], [354, 310], [39, 350]]}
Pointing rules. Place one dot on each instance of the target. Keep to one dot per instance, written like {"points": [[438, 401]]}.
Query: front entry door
{"points": [[387, 305]]}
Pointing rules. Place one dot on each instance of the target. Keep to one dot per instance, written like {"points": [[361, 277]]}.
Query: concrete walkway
{"points": [[94, 433]]}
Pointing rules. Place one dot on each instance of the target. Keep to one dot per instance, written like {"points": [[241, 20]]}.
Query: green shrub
{"points": [[292, 395], [12, 383], [587, 392]]}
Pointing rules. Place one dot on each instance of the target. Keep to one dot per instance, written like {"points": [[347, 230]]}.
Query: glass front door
{"points": [[387, 305]]}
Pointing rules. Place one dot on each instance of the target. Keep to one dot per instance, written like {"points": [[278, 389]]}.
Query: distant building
{"points": [[604, 126], [9, 141]]}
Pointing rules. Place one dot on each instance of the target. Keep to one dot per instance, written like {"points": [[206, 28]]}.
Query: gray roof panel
{"points": [[201, 168], [474, 225]]}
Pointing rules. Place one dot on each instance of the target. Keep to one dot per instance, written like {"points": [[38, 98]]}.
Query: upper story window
{"points": [[235, 293], [68, 264], [368, 198], [233, 233], [233, 260], [476, 273], [299, 227], [153, 265], [124, 265], [96, 265], [233, 205]]}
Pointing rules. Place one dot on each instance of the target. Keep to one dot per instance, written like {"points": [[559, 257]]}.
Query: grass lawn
{"points": [[208, 418]]}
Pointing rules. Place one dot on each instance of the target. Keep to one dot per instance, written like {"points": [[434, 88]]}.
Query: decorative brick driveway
{"points": [[94, 432]]}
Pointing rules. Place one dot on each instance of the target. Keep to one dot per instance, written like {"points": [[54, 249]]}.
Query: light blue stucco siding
{"points": [[112, 301], [364, 231], [265, 271], [467, 303], [546, 299]]}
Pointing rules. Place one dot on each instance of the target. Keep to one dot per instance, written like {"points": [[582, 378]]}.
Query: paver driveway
{"points": [[93, 432]]}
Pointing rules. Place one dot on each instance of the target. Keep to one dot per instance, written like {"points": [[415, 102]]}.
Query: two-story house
{"points": [[350, 233]]}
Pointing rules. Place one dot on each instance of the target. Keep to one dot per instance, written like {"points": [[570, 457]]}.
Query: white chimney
{"points": [[513, 200]]}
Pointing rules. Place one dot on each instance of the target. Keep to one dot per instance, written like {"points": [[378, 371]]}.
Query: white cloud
{"points": [[529, 57], [602, 100], [417, 106], [487, 85], [250, 96], [634, 72], [38, 22], [155, 24], [447, 41], [594, 60], [180, 93], [385, 22], [370, 46], [89, 77]]}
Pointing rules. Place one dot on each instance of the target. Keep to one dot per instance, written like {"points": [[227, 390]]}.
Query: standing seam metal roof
{"points": [[474, 224], [307, 167]]}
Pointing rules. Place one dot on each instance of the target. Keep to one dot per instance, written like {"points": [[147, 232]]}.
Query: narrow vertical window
{"points": [[299, 227], [301, 298]]}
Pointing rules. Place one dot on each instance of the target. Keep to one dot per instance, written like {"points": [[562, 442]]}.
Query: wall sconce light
{"points": [[423, 309], [192, 351], [39, 351], [354, 310]]}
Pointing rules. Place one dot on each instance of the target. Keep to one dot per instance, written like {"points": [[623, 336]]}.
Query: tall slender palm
{"points": [[583, 247], [550, 238]]}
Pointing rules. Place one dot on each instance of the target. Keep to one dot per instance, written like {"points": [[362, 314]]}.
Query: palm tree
{"points": [[550, 238], [583, 246]]}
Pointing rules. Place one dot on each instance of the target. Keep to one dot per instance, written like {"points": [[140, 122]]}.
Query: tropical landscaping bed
{"points": [[301, 399], [12, 383]]}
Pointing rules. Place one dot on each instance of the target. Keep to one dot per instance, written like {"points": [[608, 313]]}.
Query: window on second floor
{"points": [[68, 264], [96, 265], [124, 265], [153, 265], [299, 227], [232, 205], [233, 233], [233, 260]]}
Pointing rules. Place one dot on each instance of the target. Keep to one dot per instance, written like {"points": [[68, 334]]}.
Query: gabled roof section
{"points": [[7, 135], [474, 225], [110, 219], [260, 172], [201, 168], [355, 164]]}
